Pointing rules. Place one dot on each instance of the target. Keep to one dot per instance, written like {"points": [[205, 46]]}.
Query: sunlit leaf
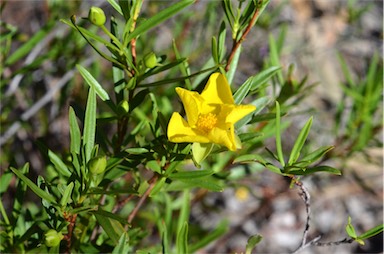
{"points": [[92, 82], [252, 242], [39, 192], [90, 123], [299, 143]]}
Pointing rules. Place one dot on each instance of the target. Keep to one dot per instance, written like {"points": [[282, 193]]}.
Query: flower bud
{"points": [[97, 165], [53, 238], [96, 16], [123, 108], [150, 60]]}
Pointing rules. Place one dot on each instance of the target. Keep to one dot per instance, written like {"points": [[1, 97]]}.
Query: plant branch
{"points": [[71, 218], [152, 183], [306, 198], [237, 43], [314, 242]]}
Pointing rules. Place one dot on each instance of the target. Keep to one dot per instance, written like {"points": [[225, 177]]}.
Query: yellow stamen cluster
{"points": [[206, 122]]}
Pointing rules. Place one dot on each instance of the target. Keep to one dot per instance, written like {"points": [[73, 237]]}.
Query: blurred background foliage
{"points": [[331, 59]]}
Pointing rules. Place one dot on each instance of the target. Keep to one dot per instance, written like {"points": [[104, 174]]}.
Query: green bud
{"points": [[53, 238], [96, 16], [97, 165], [150, 60], [123, 108]]}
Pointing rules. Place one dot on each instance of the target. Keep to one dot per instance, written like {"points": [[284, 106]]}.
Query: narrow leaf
{"points": [[158, 18], [112, 227], [232, 70], [215, 54], [92, 82], [182, 239], [59, 164], [123, 244], [274, 58], [110, 215], [300, 142], [116, 6], [184, 68], [247, 158], [312, 170], [253, 83], [372, 232], [39, 192], [191, 174], [316, 155], [66, 199], [211, 236], [350, 229], [279, 148], [90, 124], [252, 242], [184, 210], [31, 43], [74, 132]]}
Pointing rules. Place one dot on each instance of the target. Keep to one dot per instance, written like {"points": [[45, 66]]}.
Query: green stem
{"points": [[6, 220]]}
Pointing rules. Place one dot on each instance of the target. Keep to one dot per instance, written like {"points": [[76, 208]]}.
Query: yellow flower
{"points": [[211, 115]]}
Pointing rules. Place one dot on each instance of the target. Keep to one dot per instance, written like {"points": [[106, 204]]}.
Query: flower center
{"points": [[206, 122]]}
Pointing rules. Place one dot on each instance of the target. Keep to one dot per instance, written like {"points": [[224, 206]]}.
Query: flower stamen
{"points": [[206, 122]]}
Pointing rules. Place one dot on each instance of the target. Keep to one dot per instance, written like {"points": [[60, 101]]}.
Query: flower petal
{"points": [[238, 112], [217, 90], [179, 131], [225, 137], [192, 104]]}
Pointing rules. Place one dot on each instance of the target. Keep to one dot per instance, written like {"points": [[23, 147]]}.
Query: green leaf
{"points": [[252, 242], [110, 215], [232, 70], [39, 192], [307, 171], [229, 13], [221, 42], [66, 199], [372, 232], [183, 67], [208, 183], [215, 54], [182, 239], [211, 236], [112, 227], [299, 143], [5, 181], [116, 6], [59, 164], [245, 137], [92, 82], [191, 174], [253, 83], [273, 168], [200, 151], [90, 124], [74, 132], [137, 150], [158, 18], [158, 186], [247, 158], [184, 210], [164, 237], [350, 229], [313, 156], [274, 57], [279, 148], [123, 244], [29, 45], [87, 34]]}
